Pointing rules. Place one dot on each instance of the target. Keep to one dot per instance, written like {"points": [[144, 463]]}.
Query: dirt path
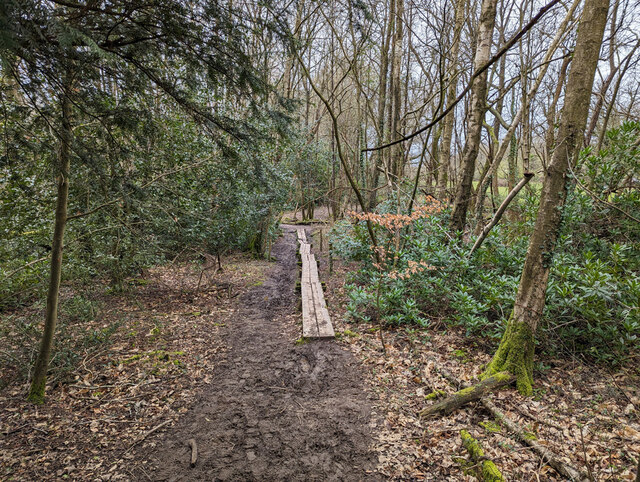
{"points": [[274, 410]]}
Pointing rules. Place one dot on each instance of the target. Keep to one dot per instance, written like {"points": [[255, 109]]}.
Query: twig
{"points": [[194, 451], [140, 439], [586, 457]]}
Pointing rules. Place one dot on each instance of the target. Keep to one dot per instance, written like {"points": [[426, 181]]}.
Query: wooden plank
{"points": [[316, 322], [313, 269], [325, 328], [309, 322], [309, 318], [305, 268]]}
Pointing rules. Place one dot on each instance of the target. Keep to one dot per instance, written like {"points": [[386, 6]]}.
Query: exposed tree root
{"points": [[486, 469], [467, 395], [544, 453]]}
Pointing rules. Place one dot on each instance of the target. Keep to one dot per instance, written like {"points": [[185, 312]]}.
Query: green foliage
{"points": [[155, 206], [594, 288], [22, 331], [349, 241], [79, 308], [309, 162], [179, 143]]}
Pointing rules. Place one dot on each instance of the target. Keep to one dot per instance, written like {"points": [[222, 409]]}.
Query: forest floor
{"points": [[586, 415], [224, 364]]}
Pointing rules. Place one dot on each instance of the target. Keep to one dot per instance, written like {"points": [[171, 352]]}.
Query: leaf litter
{"points": [[587, 416], [165, 348]]}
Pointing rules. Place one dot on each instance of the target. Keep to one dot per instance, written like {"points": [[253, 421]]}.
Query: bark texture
{"points": [[447, 130], [515, 353], [478, 106], [38, 382]]}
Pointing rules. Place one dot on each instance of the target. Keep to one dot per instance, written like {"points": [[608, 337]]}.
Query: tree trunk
{"points": [[550, 136], [396, 152], [447, 130], [38, 382], [495, 165], [478, 106], [512, 163], [515, 353], [382, 107], [613, 69]]}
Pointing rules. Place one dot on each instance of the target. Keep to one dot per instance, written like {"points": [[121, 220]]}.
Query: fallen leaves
{"points": [[569, 398], [162, 353]]}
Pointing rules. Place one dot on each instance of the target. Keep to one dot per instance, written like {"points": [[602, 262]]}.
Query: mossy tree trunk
{"points": [[38, 381], [515, 353]]}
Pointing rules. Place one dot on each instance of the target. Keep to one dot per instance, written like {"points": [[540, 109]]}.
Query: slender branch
{"points": [[478, 72], [25, 266], [498, 215], [98, 208]]}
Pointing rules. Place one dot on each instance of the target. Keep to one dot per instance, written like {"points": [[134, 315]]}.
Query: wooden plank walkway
{"points": [[316, 322]]}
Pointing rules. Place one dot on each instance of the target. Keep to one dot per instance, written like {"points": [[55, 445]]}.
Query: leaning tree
{"points": [[516, 349]]}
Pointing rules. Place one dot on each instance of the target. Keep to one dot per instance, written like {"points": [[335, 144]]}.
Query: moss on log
{"points": [[435, 395], [486, 469], [467, 395]]}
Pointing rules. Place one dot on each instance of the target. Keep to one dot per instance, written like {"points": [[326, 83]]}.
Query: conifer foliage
{"points": [[114, 99]]}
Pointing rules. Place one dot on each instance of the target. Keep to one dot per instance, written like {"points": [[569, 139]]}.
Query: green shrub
{"points": [[594, 288]]}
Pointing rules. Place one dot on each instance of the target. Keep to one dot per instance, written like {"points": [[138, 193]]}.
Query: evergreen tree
{"points": [[91, 72]]}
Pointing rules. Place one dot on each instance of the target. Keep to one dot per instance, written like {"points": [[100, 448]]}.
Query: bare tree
{"points": [[515, 353], [452, 76], [478, 108]]}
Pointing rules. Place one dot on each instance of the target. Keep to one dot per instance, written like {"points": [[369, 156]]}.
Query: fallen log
{"points": [[486, 469], [544, 453], [549, 457], [468, 395]]}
